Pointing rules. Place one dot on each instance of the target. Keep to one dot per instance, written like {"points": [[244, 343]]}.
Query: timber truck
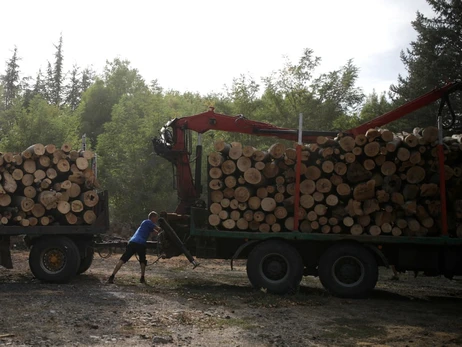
{"points": [[347, 265], [58, 252]]}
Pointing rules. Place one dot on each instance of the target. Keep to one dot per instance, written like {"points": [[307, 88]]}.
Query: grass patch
{"points": [[352, 329]]}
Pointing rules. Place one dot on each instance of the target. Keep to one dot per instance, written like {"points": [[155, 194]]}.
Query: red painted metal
{"points": [[405, 109]]}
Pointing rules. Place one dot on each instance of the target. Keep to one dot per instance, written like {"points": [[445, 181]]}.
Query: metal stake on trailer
{"points": [[297, 171], [444, 217]]}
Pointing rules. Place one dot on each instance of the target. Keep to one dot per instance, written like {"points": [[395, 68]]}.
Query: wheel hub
{"points": [[348, 271], [53, 260], [274, 267]]}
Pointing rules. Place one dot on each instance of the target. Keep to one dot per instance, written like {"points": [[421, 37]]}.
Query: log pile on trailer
{"points": [[47, 185], [379, 183]]}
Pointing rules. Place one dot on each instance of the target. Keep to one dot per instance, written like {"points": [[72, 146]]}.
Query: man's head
{"points": [[153, 217]]}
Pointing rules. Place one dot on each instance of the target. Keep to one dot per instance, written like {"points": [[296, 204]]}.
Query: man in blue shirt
{"points": [[137, 244]]}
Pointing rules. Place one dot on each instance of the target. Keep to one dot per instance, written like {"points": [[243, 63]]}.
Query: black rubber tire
{"points": [[348, 270], [85, 262], [275, 266], [46, 250]]}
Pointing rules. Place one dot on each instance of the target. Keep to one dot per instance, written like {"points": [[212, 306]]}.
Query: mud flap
{"points": [[169, 242], [5, 254]]}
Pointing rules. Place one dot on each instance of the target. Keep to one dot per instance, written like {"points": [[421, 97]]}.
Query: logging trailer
{"points": [[58, 252], [346, 264]]}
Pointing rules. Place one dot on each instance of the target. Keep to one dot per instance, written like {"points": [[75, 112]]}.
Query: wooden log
{"points": [[214, 220], [340, 168], [280, 212], [360, 140], [214, 184], [253, 225], [264, 228], [35, 150], [311, 216], [5, 200], [430, 134], [215, 173], [242, 224], [307, 186], [423, 217], [222, 147], [353, 208], [323, 185], [248, 151], [429, 190], [332, 200], [375, 230], [279, 197], [215, 159], [268, 204], [415, 174], [336, 180], [276, 227], [230, 182], [81, 163], [30, 192], [259, 165], [89, 217], [270, 219], [25, 204], [253, 176], [364, 191], [39, 175], [369, 164], [395, 231], [391, 184], [45, 184], [289, 223], [327, 167], [51, 173], [348, 221], [234, 204], [364, 221], [336, 229], [305, 226], [262, 192], [254, 202], [372, 134], [415, 157], [76, 206], [318, 197], [372, 149], [235, 215], [394, 144], [9, 183], [260, 156], [235, 152], [370, 206], [225, 203], [313, 173], [357, 173], [357, 151], [270, 170], [229, 224], [411, 140], [350, 158], [356, 229], [223, 214], [388, 168], [259, 216], [248, 215], [228, 167], [306, 201], [343, 190], [333, 221], [63, 166], [74, 191], [347, 143], [277, 150], [243, 164], [382, 196]]}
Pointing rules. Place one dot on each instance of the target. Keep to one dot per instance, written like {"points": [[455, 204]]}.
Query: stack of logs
{"points": [[380, 183], [46, 184]]}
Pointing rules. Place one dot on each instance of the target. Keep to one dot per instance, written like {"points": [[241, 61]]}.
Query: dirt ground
{"points": [[214, 306]]}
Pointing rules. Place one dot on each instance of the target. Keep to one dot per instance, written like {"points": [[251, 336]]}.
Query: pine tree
{"points": [[58, 73], [433, 59], [11, 81], [73, 90]]}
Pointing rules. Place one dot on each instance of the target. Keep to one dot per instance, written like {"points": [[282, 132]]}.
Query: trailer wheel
{"points": [[86, 261], [54, 259], [348, 270], [276, 266]]}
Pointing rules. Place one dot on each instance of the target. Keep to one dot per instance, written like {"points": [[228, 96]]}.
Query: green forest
{"points": [[120, 112]]}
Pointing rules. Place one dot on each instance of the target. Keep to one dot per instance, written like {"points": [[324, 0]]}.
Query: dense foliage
{"points": [[119, 112]]}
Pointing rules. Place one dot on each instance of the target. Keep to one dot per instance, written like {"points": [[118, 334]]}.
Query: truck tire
{"points": [[275, 266], [54, 259], [86, 261], [348, 270]]}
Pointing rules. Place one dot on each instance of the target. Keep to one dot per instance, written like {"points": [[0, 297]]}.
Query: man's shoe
{"points": [[142, 280], [110, 279]]}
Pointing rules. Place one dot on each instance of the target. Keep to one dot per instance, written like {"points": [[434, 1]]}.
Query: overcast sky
{"points": [[201, 45]]}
